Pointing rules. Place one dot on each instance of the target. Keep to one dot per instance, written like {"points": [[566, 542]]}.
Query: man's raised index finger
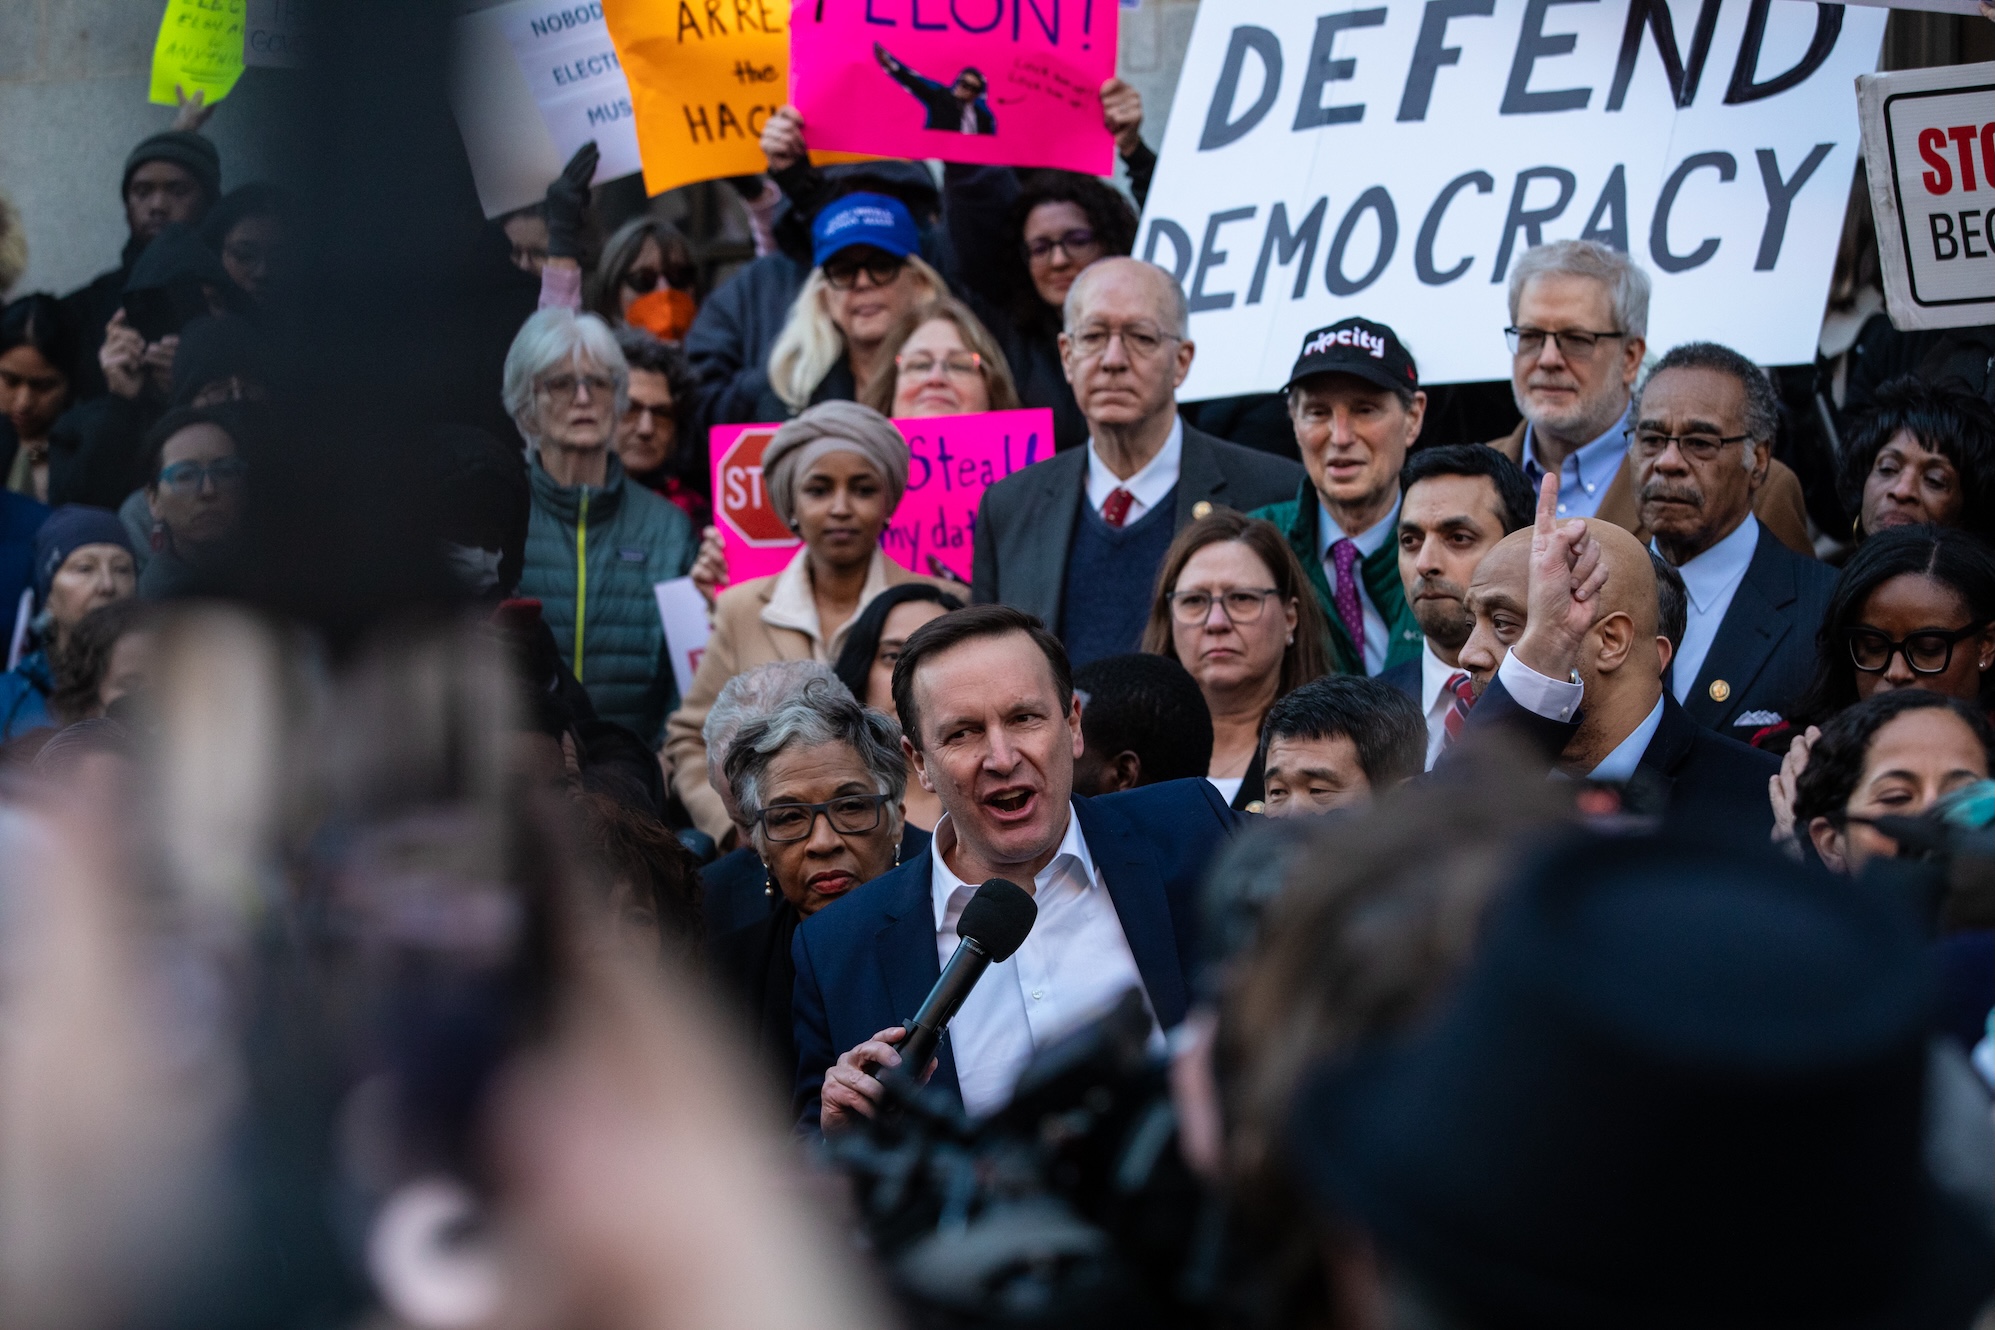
{"points": [[1548, 503]]}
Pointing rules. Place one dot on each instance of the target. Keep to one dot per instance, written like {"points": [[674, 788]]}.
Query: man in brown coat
{"points": [[1579, 315]]}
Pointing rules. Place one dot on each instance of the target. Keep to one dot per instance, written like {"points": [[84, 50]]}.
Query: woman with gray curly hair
{"points": [[835, 474], [820, 781], [596, 543]]}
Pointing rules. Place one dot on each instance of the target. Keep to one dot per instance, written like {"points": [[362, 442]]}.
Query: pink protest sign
{"points": [[952, 460], [998, 82]]}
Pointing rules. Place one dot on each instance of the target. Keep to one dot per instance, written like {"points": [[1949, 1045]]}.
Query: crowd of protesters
{"points": [[1585, 975]]}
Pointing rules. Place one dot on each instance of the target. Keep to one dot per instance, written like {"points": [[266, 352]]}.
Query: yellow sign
{"points": [[704, 77], [199, 50]]}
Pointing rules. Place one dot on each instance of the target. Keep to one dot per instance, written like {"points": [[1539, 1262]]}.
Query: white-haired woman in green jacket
{"points": [[596, 543]]}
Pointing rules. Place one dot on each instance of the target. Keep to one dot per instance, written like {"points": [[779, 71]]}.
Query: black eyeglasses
{"points": [[1576, 344], [849, 814], [1928, 651], [843, 276], [1701, 447]]}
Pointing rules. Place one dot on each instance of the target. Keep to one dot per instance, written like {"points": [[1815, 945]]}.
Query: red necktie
{"points": [[1115, 508], [1458, 716]]}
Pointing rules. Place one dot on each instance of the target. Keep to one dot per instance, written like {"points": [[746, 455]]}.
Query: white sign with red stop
{"points": [[1929, 149]]}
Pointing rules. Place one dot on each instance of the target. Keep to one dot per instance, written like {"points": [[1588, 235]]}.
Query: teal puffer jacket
{"points": [[592, 557]]}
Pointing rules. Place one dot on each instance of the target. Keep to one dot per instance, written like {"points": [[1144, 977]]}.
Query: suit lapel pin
{"points": [[1201, 510], [1720, 690]]}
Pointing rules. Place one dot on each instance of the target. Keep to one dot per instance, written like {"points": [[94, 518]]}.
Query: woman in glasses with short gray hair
{"points": [[596, 544], [820, 780]]}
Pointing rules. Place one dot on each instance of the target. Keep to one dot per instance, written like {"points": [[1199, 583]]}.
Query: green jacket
{"points": [[1297, 520], [592, 557]]}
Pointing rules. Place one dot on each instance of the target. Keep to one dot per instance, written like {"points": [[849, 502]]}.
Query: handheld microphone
{"points": [[992, 927]]}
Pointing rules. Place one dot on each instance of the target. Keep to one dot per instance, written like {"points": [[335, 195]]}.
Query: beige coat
{"points": [[1778, 504], [765, 619]]}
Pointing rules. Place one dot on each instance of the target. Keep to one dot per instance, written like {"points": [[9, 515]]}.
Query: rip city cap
{"points": [[1369, 350]]}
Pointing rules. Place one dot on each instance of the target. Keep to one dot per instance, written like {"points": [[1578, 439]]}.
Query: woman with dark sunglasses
{"points": [[1914, 608], [646, 279]]}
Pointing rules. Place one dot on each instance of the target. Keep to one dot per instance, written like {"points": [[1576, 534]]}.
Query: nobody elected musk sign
{"points": [[1327, 160], [1929, 139]]}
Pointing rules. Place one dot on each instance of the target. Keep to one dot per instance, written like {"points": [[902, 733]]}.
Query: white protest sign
{"points": [[683, 611], [531, 82], [1326, 159], [571, 66], [1929, 149]]}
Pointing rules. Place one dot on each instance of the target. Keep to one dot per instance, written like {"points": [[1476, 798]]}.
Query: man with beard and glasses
{"points": [[1579, 315], [1459, 500], [1704, 425]]}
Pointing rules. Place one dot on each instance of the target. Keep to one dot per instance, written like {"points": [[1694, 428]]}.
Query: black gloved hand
{"points": [[568, 200]]}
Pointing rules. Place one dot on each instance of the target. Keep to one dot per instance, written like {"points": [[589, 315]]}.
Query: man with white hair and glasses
{"points": [[1579, 322]]}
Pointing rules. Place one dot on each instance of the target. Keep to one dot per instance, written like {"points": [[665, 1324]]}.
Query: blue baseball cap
{"points": [[863, 219]]}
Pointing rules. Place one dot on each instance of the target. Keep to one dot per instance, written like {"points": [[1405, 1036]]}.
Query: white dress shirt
{"points": [[1073, 967], [1711, 579], [1377, 636], [1435, 699], [1619, 765], [1147, 487], [1586, 473], [1558, 699]]}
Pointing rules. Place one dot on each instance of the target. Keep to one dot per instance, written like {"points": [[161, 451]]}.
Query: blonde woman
{"points": [[945, 363], [868, 276]]}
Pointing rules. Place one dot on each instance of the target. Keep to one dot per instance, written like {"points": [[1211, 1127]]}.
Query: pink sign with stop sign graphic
{"points": [[952, 460]]}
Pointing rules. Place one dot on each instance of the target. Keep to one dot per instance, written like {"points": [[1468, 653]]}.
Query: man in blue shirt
{"points": [[1579, 321]]}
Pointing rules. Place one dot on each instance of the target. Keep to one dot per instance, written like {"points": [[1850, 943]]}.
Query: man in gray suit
{"points": [[1077, 539]]}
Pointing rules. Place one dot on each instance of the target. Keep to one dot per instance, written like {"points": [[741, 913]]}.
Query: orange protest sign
{"points": [[704, 76]]}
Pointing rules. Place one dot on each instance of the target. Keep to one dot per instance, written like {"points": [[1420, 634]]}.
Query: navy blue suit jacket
{"points": [[1405, 676], [1764, 655], [1687, 773], [864, 963]]}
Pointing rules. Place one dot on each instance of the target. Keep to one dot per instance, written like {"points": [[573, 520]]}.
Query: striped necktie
{"points": [[1458, 715]]}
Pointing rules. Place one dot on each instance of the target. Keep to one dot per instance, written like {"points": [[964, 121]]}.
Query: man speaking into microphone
{"points": [[990, 724]]}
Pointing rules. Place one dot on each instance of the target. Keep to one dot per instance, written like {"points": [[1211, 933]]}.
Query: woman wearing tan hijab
{"points": [[835, 474]]}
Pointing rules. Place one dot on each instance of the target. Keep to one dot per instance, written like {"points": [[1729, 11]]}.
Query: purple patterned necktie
{"points": [[1344, 557]]}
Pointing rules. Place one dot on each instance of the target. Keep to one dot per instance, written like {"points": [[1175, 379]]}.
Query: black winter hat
{"points": [[1678, 1087], [184, 149]]}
